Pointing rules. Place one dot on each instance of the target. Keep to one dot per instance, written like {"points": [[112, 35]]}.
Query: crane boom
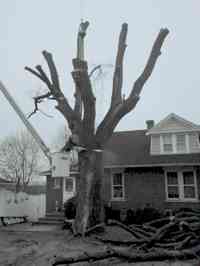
{"points": [[27, 124]]}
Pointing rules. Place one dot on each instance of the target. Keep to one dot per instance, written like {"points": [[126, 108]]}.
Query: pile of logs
{"points": [[173, 237]]}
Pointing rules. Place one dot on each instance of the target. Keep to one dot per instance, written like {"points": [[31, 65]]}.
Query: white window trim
{"points": [[112, 188], [174, 148], [181, 187]]}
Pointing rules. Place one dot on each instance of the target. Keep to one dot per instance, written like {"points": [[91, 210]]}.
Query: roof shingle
{"points": [[132, 148]]}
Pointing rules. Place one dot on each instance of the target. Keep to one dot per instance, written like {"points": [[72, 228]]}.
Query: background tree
{"points": [[81, 118], [19, 159]]}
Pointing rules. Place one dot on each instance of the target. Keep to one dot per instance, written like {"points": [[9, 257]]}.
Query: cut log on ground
{"points": [[157, 255], [174, 237]]}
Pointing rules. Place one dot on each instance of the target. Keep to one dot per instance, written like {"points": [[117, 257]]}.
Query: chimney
{"points": [[149, 124]]}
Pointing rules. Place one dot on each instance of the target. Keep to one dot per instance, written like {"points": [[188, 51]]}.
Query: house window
{"points": [[172, 185], [180, 143], [189, 185], [69, 184], [56, 183], [181, 185], [117, 186], [167, 143]]}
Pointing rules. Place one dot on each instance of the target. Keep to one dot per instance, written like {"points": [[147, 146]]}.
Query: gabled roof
{"points": [[132, 149], [174, 123]]}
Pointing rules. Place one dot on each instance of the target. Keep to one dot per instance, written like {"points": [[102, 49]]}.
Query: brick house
{"points": [[158, 166]]}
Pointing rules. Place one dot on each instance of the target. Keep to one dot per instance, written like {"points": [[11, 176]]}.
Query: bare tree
{"points": [[81, 118], [19, 159]]}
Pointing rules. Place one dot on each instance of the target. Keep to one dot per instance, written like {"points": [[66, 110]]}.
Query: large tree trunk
{"points": [[89, 191]]}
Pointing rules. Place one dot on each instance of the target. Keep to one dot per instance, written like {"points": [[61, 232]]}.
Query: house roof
{"points": [[174, 123], [132, 149]]}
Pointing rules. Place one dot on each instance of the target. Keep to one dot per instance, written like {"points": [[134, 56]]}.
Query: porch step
{"points": [[49, 222], [55, 214], [52, 218]]}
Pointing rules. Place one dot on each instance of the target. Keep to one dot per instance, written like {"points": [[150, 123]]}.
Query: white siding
{"points": [[194, 145], [155, 144]]}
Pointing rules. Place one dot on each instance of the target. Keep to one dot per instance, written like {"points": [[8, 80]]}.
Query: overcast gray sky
{"points": [[27, 27]]}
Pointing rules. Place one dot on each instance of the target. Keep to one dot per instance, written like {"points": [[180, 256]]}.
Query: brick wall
{"points": [[144, 186]]}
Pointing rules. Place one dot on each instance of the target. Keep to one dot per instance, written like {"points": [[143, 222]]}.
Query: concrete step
{"points": [[55, 214], [50, 222], [52, 218]]}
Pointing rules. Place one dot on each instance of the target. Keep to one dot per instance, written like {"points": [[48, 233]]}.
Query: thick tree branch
{"points": [[53, 71], [118, 72], [45, 77], [78, 107], [123, 253], [78, 102], [35, 73], [155, 53], [55, 92], [82, 81], [115, 114]]}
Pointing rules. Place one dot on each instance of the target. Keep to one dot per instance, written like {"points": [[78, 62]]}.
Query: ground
{"points": [[26, 245]]}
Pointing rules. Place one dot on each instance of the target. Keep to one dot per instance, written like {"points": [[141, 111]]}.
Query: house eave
{"points": [[48, 173], [151, 165], [152, 132]]}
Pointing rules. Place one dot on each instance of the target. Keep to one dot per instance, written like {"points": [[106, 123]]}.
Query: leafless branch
{"points": [[53, 72], [93, 70], [155, 53], [38, 100], [118, 73], [114, 115], [55, 92], [35, 73]]}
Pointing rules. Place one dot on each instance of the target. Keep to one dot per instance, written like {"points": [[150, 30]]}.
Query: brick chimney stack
{"points": [[149, 124]]}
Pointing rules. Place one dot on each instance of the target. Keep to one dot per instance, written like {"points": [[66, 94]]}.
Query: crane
{"points": [[28, 125], [59, 162]]}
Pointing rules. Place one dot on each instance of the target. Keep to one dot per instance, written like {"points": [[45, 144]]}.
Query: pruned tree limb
{"points": [[118, 72], [136, 234], [55, 92], [78, 106], [155, 53], [117, 111], [53, 72], [82, 81]]}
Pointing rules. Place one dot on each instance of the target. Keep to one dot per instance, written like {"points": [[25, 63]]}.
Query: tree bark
{"points": [[89, 191]]}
